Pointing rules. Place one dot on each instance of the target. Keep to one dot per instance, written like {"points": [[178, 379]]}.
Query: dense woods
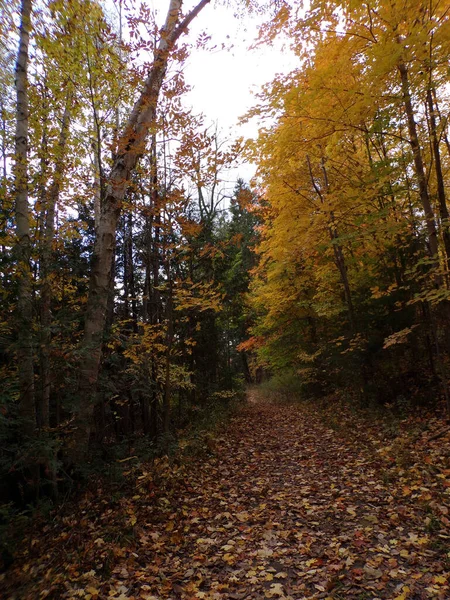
{"points": [[352, 286], [125, 257], [141, 290]]}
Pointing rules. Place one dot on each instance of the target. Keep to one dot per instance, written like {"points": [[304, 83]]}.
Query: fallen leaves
{"points": [[291, 510]]}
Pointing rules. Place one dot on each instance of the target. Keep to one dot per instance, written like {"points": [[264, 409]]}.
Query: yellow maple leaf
{"points": [[405, 593], [170, 526]]}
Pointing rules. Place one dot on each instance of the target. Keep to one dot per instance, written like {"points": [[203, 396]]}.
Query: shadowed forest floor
{"points": [[287, 504]]}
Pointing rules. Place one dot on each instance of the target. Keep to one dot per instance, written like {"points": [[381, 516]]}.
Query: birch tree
{"points": [[131, 145], [24, 313]]}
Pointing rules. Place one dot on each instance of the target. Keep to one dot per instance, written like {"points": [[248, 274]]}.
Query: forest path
{"points": [[285, 508]]}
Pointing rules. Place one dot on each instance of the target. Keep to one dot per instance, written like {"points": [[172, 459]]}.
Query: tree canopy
{"points": [[142, 289]]}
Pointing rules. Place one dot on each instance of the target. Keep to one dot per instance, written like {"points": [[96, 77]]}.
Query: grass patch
{"points": [[284, 387]]}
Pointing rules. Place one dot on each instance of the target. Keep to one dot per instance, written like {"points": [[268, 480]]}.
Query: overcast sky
{"points": [[224, 80]]}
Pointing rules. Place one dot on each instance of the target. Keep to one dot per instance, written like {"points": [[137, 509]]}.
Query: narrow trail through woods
{"points": [[284, 508]]}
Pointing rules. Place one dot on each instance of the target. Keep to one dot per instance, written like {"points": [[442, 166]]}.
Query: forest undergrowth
{"points": [[288, 500]]}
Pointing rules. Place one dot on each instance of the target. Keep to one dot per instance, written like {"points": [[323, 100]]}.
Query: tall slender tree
{"points": [[130, 147], [24, 313]]}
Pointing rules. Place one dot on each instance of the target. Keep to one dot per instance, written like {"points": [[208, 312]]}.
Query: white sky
{"points": [[224, 81]]}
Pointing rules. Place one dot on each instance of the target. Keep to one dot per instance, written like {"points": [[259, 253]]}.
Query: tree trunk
{"points": [[418, 162], [46, 266], [339, 258], [167, 387], [443, 210], [24, 315], [4, 204], [151, 303], [149, 218], [131, 145], [129, 289], [4, 150], [97, 184], [442, 120]]}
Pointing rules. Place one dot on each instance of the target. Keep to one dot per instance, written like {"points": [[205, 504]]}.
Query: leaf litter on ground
{"points": [[289, 506]]}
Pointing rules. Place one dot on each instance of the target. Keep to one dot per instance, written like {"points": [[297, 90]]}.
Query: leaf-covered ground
{"points": [[291, 503]]}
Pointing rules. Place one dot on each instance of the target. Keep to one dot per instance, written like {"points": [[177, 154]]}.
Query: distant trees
{"points": [[130, 147], [137, 290], [352, 286], [122, 244]]}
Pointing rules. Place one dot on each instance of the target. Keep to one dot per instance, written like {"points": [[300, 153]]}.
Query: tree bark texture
{"points": [[131, 146], [418, 161], [24, 316]]}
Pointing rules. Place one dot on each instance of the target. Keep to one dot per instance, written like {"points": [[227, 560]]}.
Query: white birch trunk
{"points": [[131, 146], [27, 408]]}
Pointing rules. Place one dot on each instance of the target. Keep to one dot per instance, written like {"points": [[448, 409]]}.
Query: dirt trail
{"points": [[285, 508]]}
